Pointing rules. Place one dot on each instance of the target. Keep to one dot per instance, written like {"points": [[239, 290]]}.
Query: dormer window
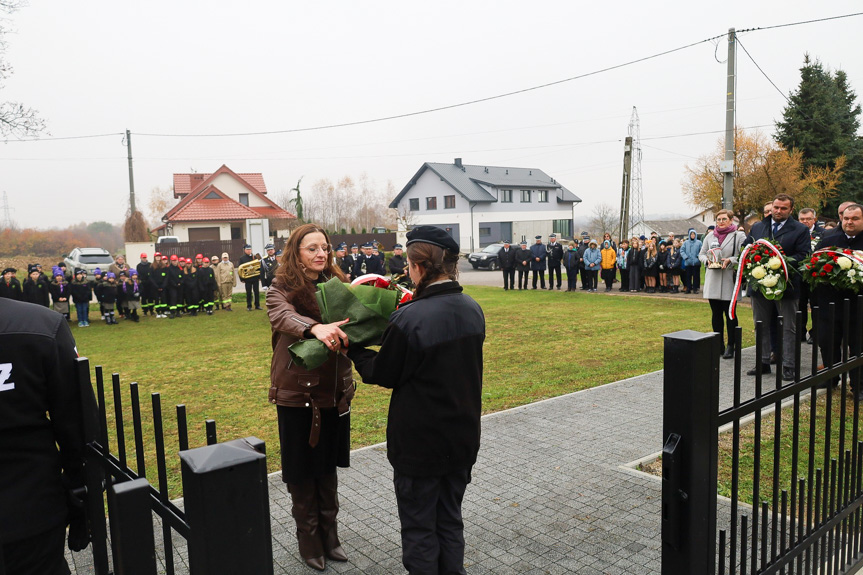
{"points": [[212, 196]]}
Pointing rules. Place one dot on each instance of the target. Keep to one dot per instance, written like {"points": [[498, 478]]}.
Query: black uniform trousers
{"points": [[523, 276], [552, 269], [41, 554], [252, 286], [585, 278], [830, 334], [431, 522], [540, 275], [508, 278]]}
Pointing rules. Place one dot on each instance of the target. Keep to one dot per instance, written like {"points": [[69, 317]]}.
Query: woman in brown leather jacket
{"points": [[313, 406]]}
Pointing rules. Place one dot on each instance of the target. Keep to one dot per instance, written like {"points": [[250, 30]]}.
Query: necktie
{"points": [[775, 227]]}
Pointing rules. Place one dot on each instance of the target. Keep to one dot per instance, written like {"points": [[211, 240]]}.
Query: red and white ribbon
{"points": [[732, 307], [380, 281], [833, 252]]}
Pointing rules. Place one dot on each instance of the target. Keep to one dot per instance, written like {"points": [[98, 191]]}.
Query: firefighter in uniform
{"points": [[143, 269], [397, 263], [159, 285], [367, 262], [174, 287], [42, 414], [207, 286]]}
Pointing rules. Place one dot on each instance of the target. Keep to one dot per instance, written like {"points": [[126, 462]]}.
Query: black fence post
{"points": [[132, 538], [227, 507], [689, 458]]}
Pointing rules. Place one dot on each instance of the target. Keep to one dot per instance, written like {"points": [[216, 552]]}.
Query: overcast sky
{"points": [[215, 67]]}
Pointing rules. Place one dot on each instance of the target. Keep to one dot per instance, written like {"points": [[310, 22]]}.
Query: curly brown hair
{"points": [[290, 272]]}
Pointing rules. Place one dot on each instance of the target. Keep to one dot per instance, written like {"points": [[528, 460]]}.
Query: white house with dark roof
{"points": [[481, 205]]}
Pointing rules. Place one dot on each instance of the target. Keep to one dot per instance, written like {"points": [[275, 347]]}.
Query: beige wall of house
{"points": [[232, 188]]}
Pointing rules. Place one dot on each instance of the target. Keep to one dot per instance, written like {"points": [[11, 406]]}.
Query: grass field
{"points": [[539, 344]]}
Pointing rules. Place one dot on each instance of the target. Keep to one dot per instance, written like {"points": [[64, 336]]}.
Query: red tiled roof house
{"points": [[223, 205]]}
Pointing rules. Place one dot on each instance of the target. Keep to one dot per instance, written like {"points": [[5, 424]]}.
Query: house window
{"points": [[244, 199], [562, 227], [414, 204], [525, 196], [431, 203], [212, 196], [485, 231], [542, 196], [506, 196], [449, 202]]}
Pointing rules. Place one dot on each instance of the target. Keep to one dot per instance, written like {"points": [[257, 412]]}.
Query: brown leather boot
{"points": [[328, 509], [305, 512]]}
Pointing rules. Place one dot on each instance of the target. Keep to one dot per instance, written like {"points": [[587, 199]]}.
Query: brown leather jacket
{"points": [[329, 386]]}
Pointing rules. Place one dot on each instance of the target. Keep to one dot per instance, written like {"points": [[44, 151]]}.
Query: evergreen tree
{"points": [[821, 120]]}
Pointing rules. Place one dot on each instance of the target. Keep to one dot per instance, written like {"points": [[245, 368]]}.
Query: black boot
{"points": [[328, 509], [729, 352], [305, 511]]}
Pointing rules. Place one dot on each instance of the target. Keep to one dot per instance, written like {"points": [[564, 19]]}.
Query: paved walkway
{"points": [[552, 491]]}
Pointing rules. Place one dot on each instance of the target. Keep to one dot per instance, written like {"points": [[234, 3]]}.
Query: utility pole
{"points": [[7, 223], [727, 166], [624, 193], [131, 174]]}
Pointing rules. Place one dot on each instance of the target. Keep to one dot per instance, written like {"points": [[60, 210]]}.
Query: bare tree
{"points": [[16, 119], [161, 200], [603, 219]]}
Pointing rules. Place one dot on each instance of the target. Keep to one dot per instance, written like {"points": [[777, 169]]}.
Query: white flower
{"points": [[768, 290], [769, 281], [851, 273], [844, 263], [758, 272], [774, 263]]}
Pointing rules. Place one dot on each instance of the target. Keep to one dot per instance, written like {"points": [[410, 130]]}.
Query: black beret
{"points": [[434, 236], [8, 270]]}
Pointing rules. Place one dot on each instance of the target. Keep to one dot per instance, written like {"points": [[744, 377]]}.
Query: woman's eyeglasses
{"points": [[312, 250]]}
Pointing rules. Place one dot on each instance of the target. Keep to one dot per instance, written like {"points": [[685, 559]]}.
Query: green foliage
{"points": [[821, 120]]}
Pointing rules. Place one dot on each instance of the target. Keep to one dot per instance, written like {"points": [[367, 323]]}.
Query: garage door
{"points": [[200, 234]]}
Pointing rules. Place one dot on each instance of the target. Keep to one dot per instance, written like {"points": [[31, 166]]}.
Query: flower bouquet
{"points": [[840, 268], [368, 306], [764, 269], [714, 258]]}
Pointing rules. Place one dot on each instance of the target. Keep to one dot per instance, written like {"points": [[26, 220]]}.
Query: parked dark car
{"points": [[487, 258]]}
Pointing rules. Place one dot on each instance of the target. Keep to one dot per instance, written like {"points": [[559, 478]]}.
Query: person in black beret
{"points": [[431, 357], [396, 263], [10, 287]]}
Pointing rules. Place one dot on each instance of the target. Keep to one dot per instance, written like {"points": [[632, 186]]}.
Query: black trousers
{"points": [[554, 268], [591, 278], [522, 279], [508, 278], [571, 278], [41, 554], [252, 286], [608, 277], [719, 310], [538, 274], [624, 279], [431, 522], [805, 300], [693, 277], [585, 278]]}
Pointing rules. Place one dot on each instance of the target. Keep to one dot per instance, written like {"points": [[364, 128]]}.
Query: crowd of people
{"points": [[665, 265]]}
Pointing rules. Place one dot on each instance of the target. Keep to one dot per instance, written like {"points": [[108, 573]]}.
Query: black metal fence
{"points": [[803, 471], [225, 520]]}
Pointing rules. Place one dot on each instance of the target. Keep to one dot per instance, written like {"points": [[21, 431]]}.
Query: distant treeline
{"points": [[56, 243]]}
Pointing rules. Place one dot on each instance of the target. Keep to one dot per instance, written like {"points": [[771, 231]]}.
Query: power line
{"points": [[65, 138], [761, 28], [763, 73]]}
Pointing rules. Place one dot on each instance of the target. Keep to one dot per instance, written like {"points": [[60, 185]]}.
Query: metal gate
{"points": [[225, 520], [806, 514]]}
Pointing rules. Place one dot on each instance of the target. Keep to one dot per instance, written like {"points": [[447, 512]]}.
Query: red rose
{"points": [[814, 260], [846, 251], [828, 268], [756, 258], [823, 274], [835, 258], [815, 274]]}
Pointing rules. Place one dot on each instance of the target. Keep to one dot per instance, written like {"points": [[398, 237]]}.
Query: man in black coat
{"points": [[42, 414], [506, 259], [538, 256], [808, 218], [367, 262], [582, 247], [522, 264], [555, 255], [10, 287], [396, 263], [252, 282], [794, 239], [849, 236]]}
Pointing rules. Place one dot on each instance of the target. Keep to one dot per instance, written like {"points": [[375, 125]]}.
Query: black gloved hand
{"points": [[79, 529]]}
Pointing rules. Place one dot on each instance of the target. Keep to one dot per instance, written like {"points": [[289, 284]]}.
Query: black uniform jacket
{"points": [[431, 357], [207, 280], [825, 295], [174, 275], [795, 241], [12, 290], [36, 292], [522, 255], [372, 265], [555, 253], [40, 409], [506, 258], [82, 291], [158, 279], [396, 265]]}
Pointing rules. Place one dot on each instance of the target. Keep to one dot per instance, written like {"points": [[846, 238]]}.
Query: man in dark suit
{"points": [[367, 262], [850, 236], [808, 218], [538, 256], [522, 264], [555, 255], [793, 237], [506, 259]]}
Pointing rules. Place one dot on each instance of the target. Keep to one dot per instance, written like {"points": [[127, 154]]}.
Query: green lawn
{"points": [[539, 344]]}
